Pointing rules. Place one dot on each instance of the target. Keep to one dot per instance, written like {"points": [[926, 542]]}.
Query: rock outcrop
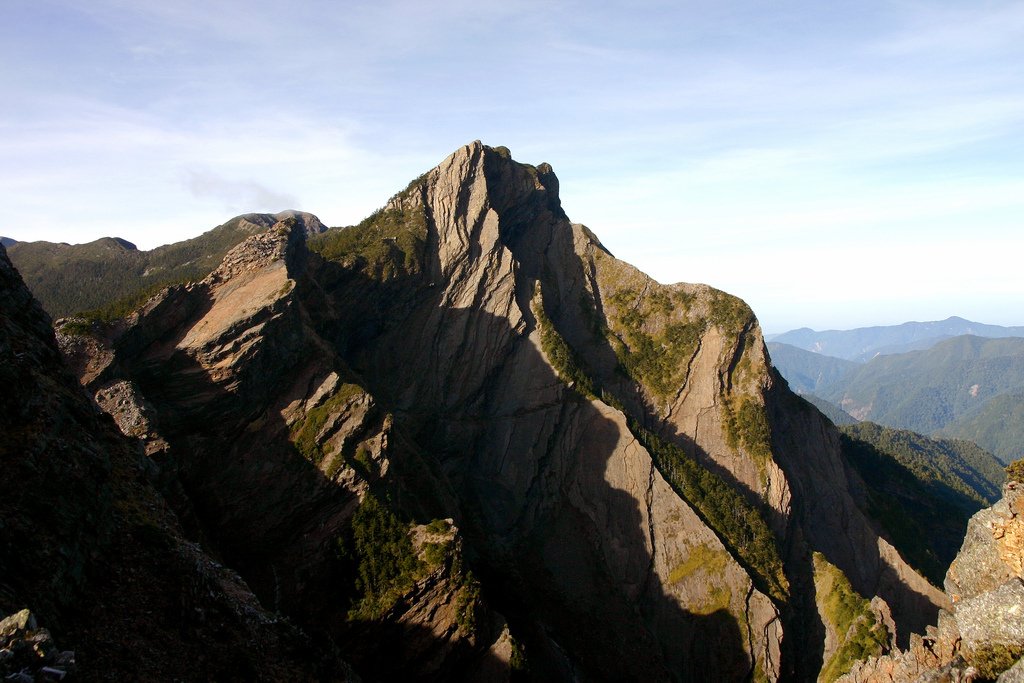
{"points": [[28, 653], [982, 635]]}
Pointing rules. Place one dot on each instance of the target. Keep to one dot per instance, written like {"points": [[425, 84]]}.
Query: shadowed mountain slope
{"points": [[921, 491], [89, 546]]}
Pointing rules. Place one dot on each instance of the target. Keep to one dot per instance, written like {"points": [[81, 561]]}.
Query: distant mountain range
{"points": [[7, 242], [806, 371], [967, 386], [863, 343], [73, 278]]}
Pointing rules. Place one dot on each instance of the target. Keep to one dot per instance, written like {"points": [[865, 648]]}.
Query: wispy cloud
{"points": [[237, 195], [954, 29]]}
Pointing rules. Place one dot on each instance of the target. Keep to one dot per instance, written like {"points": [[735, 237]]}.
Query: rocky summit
{"points": [[459, 441]]}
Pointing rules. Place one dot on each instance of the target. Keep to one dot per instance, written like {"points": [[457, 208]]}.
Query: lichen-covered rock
{"points": [[993, 547], [995, 617], [27, 652], [1015, 674]]}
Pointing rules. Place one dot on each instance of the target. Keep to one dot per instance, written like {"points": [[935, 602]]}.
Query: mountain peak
{"points": [[123, 243]]}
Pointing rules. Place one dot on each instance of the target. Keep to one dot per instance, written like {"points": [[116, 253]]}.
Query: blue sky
{"points": [[835, 164]]}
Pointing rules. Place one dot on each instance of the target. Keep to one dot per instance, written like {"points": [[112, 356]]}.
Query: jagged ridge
{"points": [[407, 360]]}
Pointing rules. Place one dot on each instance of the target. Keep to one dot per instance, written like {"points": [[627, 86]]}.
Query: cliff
{"points": [[462, 440]]}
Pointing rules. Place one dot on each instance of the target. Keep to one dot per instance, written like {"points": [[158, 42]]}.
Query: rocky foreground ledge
{"points": [[28, 653], [982, 637]]}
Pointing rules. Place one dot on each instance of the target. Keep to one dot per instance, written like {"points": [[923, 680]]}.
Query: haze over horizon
{"points": [[836, 166]]}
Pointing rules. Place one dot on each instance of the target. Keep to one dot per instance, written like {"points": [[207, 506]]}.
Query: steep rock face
{"points": [[633, 486], [88, 545], [807, 449], [275, 447], [559, 497], [503, 243]]}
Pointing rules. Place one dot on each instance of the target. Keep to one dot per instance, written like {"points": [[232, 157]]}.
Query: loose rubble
{"points": [[28, 653]]}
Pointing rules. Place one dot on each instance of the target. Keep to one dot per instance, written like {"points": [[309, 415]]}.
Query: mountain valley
{"points": [[965, 387]]}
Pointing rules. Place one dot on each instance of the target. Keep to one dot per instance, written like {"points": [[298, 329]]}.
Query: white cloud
{"points": [[237, 195]]}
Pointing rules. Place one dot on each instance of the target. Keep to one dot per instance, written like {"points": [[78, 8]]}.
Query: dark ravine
{"points": [[631, 491]]}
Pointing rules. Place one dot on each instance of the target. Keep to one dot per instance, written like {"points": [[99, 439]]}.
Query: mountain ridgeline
{"points": [[462, 441], [965, 387], [864, 343], [109, 277]]}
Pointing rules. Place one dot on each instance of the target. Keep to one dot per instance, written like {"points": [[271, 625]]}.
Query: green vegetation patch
{"points": [[123, 306], [518, 661], [729, 313], [701, 557], [1015, 471], [653, 348], [718, 598], [739, 525], [305, 433], [386, 565], [439, 526], [77, 327], [711, 561], [434, 554], [992, 659], [389, 243], [858, 631], [746, 425], [562, 356], [467, 604]]}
